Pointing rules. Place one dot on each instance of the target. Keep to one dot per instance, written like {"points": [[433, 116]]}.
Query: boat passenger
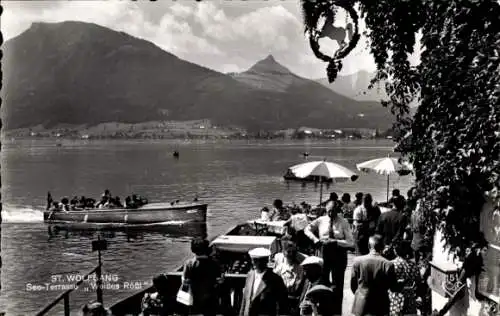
{"points": [[287, 266], [396, 195], [347, 207], [282, 213], [65, 204], [103, 202], [110, 203], [117, 202], [333, 198], [264, 292], [365, 218], [266, 214], [159, 302], [81, 202], [107, 194], [138, 201], [313, 270], [358, 199], [128, 202], [90, 203], [74, 200], [56, 206], [411, 202], [332, 236], [49, 201], [203, 275], [296, 225], [305, 207]]}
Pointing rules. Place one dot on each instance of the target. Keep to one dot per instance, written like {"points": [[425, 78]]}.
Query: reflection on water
{"points": [[131, 232]]}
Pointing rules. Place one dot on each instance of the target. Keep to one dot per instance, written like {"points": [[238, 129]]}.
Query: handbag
{"points": [[185, 295]]}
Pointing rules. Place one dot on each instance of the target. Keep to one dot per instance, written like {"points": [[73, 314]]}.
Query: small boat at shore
{"points": [[146, 214], [289, 176]]}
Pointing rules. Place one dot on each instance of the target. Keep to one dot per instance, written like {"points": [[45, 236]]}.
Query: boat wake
{"points": [[21, 215]]}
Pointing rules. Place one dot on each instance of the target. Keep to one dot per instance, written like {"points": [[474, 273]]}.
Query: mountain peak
{"points": [[269, 65], [270, 58]]}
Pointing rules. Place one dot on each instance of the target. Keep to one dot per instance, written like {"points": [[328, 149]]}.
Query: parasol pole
{"points": [[387, 188], [320, 189], [388, 156]]}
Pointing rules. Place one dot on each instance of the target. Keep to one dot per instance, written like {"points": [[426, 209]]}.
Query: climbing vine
{"points": [[453, 140]]}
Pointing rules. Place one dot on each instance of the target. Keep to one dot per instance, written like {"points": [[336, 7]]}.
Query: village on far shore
{"points": [[194, 129]]}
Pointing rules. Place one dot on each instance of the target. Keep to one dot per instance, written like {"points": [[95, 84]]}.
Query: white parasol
{"points": [[323, 169], [386, 166]]}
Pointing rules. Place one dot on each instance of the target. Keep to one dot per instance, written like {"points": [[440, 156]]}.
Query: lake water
{"points": [[236, 178]]}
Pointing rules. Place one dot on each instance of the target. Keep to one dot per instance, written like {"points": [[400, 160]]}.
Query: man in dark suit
{"points": [[391, 226], [372, 276], [265, 292]]}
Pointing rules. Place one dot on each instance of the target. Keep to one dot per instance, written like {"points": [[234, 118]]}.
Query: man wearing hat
{"points": [[265, 292], [309, 301]]}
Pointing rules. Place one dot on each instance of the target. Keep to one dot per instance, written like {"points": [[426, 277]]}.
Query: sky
{"points": [[224, 35]]}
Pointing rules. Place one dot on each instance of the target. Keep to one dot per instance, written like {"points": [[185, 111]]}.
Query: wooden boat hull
{"points": [[147, 214]]}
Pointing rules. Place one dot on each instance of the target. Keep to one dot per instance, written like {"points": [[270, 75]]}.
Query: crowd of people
{"points": [[337, 226]]}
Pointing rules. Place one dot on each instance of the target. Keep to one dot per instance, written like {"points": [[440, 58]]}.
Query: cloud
{"points": [[171, 34], [263, 27], [225, 36], [225, 68], [180, 10]]}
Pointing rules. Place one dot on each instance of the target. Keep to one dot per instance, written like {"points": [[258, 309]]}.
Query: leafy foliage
{"points": [[454, 138]]}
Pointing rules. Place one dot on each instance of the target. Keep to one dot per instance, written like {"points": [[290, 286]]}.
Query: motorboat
{"points": [[146, 214], [289, 176]]}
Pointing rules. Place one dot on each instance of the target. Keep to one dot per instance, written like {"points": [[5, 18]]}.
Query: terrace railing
{"points": [[99, 244]]}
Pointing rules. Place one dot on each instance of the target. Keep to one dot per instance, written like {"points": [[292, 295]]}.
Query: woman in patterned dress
{"points": [[404, 302]]}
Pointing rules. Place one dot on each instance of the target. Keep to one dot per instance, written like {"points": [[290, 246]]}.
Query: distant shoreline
{"points": [[385, 143], [195, 129], [209, 138]]}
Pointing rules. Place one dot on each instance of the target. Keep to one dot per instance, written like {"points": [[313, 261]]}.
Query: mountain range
{"points": [[83, 73]]}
